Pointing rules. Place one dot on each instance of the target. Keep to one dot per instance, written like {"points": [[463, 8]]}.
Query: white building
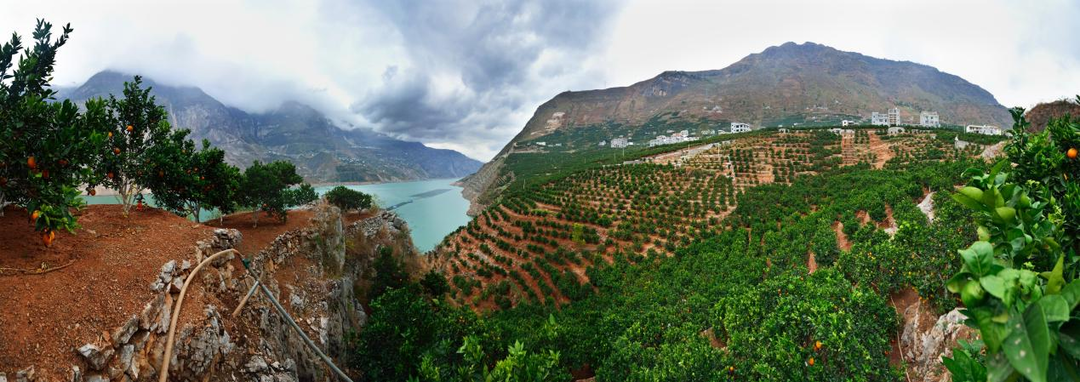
{"points": [[847, 122], [737, 127], [679, 137], [783, 130], [929, 119], [603, 143], [896, 130], [894, 117], [879, 119], [983, 129], [619, 143], [541, 143]]}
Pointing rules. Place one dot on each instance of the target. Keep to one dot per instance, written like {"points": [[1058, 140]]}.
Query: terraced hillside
{"points": [[538, 244]]}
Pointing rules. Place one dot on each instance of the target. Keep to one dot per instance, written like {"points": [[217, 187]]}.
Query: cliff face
{"points": [[315, 272]]}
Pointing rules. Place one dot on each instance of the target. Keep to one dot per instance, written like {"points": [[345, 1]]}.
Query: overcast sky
{"points": [[467, 75]]}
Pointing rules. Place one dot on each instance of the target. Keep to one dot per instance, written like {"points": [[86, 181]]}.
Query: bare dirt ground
{"points": [[100, 276], [111, 261]]}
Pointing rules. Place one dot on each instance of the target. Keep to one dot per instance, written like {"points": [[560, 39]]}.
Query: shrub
{"points": [[348, 199]]}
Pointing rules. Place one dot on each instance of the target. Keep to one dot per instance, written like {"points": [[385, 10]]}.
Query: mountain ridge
{"points": [[323, 150], [806, 84]]}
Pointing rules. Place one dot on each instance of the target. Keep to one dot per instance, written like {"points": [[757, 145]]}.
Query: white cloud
{"points": [[469, 74]]}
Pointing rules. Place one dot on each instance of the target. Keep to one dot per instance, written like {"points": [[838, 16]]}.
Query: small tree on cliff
{"points": [[347, 199], [265, 188]]}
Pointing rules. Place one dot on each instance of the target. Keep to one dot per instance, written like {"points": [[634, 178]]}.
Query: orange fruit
{"points": [[35, 215], [810, 361], [92, 192], [45, 174], [31, 162], [817, 345], [110, 134], [129, 128], [1071, 153], [116, 150], [110, 175]]}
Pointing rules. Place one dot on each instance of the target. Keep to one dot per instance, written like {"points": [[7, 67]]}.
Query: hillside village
{"points": [[892, 119]]}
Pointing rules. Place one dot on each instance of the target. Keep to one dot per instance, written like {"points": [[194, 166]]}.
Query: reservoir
{"points": [[433, 208]]}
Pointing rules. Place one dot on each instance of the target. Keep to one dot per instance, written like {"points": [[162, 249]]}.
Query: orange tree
{"points": [[265, 187], [1019, 282], [46, 144], [186, 181], [133, 126]]}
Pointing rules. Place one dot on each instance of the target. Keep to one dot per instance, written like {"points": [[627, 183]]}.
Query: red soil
{"points": [[112, 260]]}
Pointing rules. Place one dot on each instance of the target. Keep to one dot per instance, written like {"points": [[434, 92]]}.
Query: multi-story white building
{"points": [[878, 119], [929, 119], [983, 129], [618, 143], [894, 116], [738, 127]]}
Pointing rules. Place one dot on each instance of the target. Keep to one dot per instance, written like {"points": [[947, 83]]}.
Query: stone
{"points": [[185, 266], [76, 374], [166, 315], [167, 271], [96, 378], [256, 365], [176, 285], [924, 345], [95, 357], [3, 377], [126, 354], [122, 334], [297, 302], [25, 375], [150, 312]]}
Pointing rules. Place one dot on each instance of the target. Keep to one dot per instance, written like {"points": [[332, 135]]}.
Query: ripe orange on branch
{"points": [[1071, 153], [129, 128], [31, 163]]}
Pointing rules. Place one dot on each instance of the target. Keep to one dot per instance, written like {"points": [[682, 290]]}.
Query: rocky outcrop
{"points": [[927, 337]]}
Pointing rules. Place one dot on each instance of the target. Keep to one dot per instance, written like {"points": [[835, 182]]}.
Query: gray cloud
{"points": [[473, 66]]}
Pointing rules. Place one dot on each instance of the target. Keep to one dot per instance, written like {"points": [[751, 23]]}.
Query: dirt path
{"points": [[841, 237]]}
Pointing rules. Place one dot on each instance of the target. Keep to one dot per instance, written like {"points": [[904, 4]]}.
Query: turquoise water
{"points": [[436, 208], [433, 208]]}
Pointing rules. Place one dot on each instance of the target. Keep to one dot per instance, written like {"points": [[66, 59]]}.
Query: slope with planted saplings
{"points": [[540, 243], [738, 300]]}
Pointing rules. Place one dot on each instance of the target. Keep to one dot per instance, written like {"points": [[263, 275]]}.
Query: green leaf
{"points": [[968, 202], [1006, 214], [1055, 307], [957, 282], [1071, 293], [1055, 280], [1028, 345], [998, 369], [1069, 339], [994, 285], [978, 257]]}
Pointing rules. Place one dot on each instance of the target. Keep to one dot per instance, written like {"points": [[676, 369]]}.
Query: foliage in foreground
{"points": [[1019, 281]]}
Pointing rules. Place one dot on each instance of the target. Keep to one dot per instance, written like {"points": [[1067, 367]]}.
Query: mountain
{"points": [[1040, 115], [322, 150], [804, 84]]}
